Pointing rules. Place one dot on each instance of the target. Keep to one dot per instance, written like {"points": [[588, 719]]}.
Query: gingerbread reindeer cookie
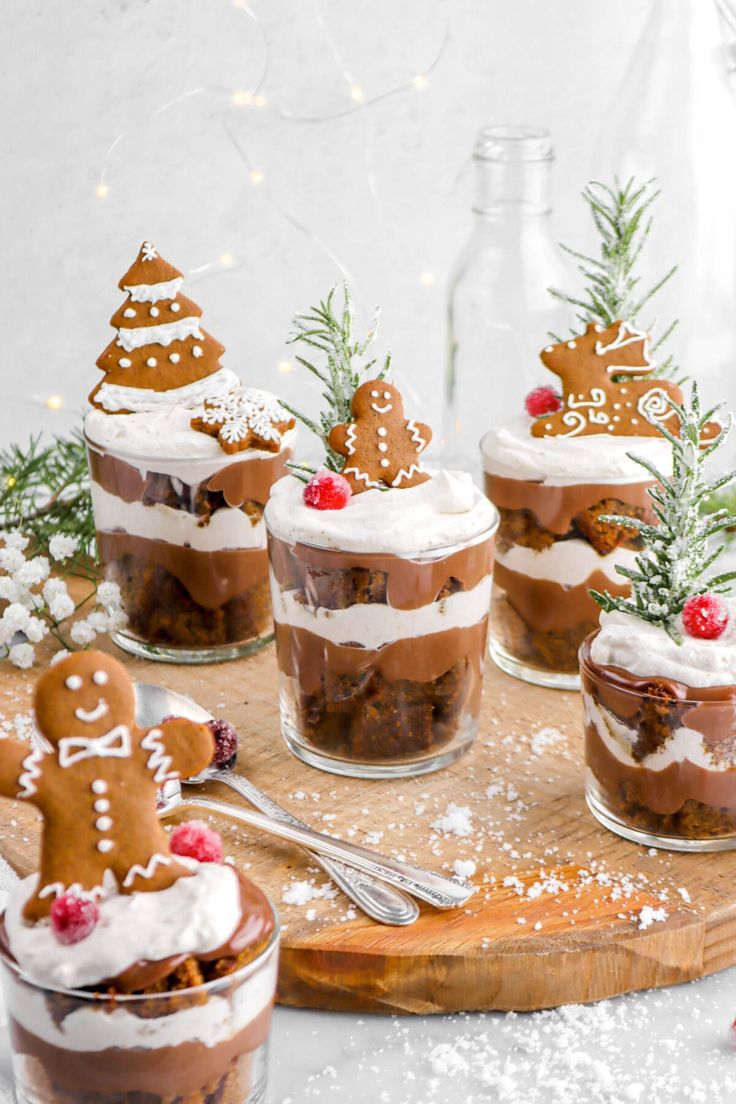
{"points": [[382, 448], [95, 786], [607, 387]]}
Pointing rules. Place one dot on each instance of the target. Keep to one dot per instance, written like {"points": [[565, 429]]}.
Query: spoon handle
{"points": [[441, 892], [376, 899]]}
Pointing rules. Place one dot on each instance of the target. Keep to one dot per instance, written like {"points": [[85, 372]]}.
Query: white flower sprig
{"points": [[39, 604]]}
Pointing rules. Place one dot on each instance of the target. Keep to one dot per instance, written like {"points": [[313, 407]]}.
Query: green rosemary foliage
{"points": [[44, 490], [343, 372], [623, 220], [677, 553]]}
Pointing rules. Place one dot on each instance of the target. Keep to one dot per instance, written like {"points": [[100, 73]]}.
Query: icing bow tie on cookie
{"points": [[115, 743]]}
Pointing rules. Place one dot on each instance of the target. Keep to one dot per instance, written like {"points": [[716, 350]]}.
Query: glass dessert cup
{"points": [[660, 758], [380, 655], [185, 541], [205, 1043], [552, 549]]}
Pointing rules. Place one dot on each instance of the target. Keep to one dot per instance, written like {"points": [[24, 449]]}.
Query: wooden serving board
{"points": [[564, 912]]}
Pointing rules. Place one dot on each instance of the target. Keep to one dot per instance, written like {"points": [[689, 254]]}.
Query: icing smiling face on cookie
{"points": [[383, 401], [86, 701]]}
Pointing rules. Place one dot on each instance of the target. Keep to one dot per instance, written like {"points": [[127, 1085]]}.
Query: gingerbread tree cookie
{"points": [[96, 785], [159, 345], [607, 389], [382, 448], [245, 419]]}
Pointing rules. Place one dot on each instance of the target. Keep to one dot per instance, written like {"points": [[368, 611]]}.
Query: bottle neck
{"points": [[512, 190]]}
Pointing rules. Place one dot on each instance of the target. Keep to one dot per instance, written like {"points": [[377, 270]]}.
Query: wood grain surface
{"points": [[564, 911]]}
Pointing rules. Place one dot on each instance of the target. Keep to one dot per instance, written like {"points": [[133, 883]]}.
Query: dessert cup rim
{"points": [[228, 459], [600, 675], [437, 552], [239, 975]]}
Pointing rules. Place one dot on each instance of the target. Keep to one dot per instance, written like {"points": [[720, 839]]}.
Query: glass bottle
{"points": [[499, 307]]}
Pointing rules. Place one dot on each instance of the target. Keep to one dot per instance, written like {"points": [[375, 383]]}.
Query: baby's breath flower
{"points": [[14, 539], [82, 633], [62, 547], [11, 559], [32, 572], [16, 617], [35, 630], [61, 606], [108, 594], [22, 655]]}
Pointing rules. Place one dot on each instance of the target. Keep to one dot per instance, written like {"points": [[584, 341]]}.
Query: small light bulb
{"points": [[256, 176], [356, 92], [55, 402], [284, 366], [10, 482], [420, 82], [242, 98], [260, 101], [426, 279], [101, 191], [227, 259]]}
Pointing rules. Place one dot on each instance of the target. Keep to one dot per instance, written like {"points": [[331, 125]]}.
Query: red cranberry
{"points": [[196, 840], [226, 743], [542, 400], [73, 918], [327, 491], [704, 616]]}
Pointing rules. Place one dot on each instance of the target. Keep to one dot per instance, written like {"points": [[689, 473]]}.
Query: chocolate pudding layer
{"points": [[553, 547], [185, 541], [191, 1027], [381, 652], [660, 752]]}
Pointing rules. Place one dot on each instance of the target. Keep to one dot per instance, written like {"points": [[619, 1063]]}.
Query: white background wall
{"points": [[119, 123]]}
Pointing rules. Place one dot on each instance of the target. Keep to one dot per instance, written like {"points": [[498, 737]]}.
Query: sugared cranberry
{"points": [[226, 743], [196, 840], [542, 400], [73, 918], [704, 616], [327, 491]]}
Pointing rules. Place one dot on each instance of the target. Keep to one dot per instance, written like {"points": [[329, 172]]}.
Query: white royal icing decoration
{"points": [[105, 845], [100, 678], [245, 411], [102, 805], [99, 786], [149, 251], [162, 334], [147, 871], [89, 716], [158, 761], [113, 397], [153, 293], [74, 682], [103, 824], [115, 744], [30, 774]]}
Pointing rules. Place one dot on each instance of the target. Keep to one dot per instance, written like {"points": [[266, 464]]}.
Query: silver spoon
{"points": [[375, 898]]}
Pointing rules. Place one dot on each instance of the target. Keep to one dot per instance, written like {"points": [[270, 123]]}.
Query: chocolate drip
{"points": [[409, 584], [547, 606], [115, 476], [250, 480], [314, 661], [211, 578], [556, 507]]}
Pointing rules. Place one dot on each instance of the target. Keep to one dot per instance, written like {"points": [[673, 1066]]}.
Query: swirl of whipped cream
{"points": [[195, 915], [445, 510]]}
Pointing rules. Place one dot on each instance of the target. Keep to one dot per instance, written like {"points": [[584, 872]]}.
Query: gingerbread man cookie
{"points": [[95, 786], [607, 387], [382, 448]]}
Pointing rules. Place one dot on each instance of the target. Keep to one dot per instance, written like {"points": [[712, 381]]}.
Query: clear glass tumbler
{"points": [[380, 656], [207, 1043], [185, 541], [660, 758]]}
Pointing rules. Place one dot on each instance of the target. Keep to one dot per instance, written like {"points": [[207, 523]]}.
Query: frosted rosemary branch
{"points": [[612, 287], [677, 553], [342, 373]]}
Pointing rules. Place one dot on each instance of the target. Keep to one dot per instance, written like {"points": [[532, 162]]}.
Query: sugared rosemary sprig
{"points": [[678, 552], [343, 372], [44, 491], [612, 292]]}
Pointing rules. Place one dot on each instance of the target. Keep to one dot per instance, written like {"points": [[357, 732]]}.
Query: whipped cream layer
{"points": [[646, 650], [445, 510], [196, 915], [512, 452], [684, 744], [569, 563], [372, 626], [226, 528], [115, 397], [164, 441], [91, 1028]]}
